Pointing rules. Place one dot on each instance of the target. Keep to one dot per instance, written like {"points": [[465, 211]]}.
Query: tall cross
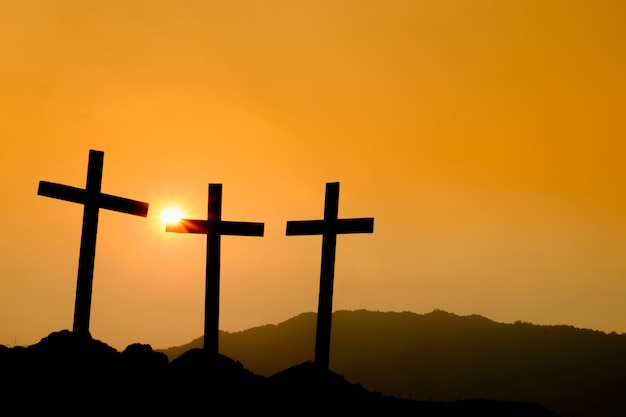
{"points": [[329, 228], [92, 200], [214, 227]]}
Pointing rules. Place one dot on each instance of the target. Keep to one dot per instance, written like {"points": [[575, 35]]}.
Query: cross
{"points": [[92, 200], [214, 227], [329, 228]]}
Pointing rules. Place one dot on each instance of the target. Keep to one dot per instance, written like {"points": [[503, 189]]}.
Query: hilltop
{"points": [[70, 374]]}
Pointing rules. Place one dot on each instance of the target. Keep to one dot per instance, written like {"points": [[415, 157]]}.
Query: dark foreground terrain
{"points": [[65, 373]]}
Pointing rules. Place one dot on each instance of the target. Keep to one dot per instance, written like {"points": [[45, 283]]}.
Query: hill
{"points": [[68, 374], [440, 356]]}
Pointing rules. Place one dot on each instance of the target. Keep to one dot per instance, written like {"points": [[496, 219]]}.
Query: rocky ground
{"points": [[66, 373]]}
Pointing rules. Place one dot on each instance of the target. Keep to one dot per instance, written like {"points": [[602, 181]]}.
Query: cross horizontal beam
{"points": [[221, 227], [319, 227], [82, 196]]}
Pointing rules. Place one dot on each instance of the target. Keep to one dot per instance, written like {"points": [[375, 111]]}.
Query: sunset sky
{"points": [[487, 139]]}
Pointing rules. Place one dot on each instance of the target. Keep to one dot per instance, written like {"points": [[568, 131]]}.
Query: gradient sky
{"points": [[486, 138]]}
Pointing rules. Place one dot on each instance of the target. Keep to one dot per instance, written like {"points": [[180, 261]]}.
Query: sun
{"points": [[171, 215]]}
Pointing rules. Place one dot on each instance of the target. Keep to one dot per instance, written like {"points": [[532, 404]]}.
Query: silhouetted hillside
{"points": [[73, 375], [443, 357]]}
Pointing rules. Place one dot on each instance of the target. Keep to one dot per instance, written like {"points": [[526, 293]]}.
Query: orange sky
{"points": [[486, 138]]}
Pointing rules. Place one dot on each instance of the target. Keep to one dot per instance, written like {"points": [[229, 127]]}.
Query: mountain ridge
{"points": [[443, 356]]}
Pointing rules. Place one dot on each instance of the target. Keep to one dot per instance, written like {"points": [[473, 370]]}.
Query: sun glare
{"points": [[171, 215]]}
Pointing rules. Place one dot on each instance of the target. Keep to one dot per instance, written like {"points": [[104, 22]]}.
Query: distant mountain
{"points": [[72, 375], [441, 356]]}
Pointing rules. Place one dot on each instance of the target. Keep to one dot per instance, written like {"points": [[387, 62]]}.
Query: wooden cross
{"points": [[214, 227], [93, 200], [329, 228]]}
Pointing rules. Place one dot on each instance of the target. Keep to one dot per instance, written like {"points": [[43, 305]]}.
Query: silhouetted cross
{"points": [[328, 228], [93, 200], [214, 227]]}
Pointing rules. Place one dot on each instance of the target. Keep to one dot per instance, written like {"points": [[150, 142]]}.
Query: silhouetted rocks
{"points": [[214, 368], [322, 391], [69, 374], [142, 356], [65, 347], [316, 381]]}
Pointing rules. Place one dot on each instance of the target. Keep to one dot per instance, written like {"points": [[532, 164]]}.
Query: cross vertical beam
{"points": [[214, 227], [92, 200], [329, 228], [213, 266], [87, 254], [327, 276]]}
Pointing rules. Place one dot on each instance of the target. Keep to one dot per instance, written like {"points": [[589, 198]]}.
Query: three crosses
{"points": [[213, 227]]}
